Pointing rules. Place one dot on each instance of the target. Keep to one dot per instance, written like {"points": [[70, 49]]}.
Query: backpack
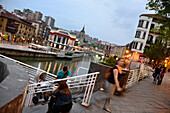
{"points": [[108, 73]]}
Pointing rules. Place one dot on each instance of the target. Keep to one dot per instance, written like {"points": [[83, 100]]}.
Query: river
{"points": [[55, 65]]}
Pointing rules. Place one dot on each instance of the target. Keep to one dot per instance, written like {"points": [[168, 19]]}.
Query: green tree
{"points": [[157, 52], [162, 9]]}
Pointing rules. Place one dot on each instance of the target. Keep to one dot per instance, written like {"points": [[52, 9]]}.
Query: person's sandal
{"points": [[107, 109]]}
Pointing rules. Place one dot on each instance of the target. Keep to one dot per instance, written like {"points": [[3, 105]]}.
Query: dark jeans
{"points": [[155, 76], [160, 77]]}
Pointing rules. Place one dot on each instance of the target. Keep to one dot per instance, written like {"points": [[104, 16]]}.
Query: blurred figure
{"points": [[156, 73], [161, 75], [61, 99], [113, 82]]}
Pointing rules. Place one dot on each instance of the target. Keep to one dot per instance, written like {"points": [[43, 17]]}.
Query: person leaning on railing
{"points": [[65, 73], [61, 99]]}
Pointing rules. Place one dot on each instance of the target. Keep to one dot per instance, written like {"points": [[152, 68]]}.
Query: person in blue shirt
{"points": [[65, 73]]}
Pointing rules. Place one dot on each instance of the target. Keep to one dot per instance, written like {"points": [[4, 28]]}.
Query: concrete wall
{"points": [[13, 88], [16, 105], [100, 82]]}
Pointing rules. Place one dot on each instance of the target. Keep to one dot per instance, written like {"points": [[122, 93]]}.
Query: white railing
{"points": [[32, 71], [83, 83], [135, 76], [81, 68]]}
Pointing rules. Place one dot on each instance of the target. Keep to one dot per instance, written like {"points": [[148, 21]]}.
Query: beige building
{"points": [[3, 23], [26, 30]]}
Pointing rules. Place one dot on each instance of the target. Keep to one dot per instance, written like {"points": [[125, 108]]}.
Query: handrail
{"points": [[73, 83], [81, 68], [26, 64]]}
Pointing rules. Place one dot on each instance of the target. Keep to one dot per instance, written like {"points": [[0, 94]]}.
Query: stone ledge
{"points": [[14, 84]]}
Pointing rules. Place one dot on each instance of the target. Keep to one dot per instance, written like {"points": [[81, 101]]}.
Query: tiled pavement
{"points": [[144, 97]]}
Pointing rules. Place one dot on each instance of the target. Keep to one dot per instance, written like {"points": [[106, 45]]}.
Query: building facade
{"points": [[17, 29], [61, 39], [18, 12], [49, 21], [144, 35], [28, 13], [42, 31], [38, 16]]}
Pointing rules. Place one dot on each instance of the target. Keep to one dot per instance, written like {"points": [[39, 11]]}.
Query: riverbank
{"points": [[19, 50]]}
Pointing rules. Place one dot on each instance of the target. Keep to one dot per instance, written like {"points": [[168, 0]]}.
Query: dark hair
{"points": [[65, 68], [118, 60]]}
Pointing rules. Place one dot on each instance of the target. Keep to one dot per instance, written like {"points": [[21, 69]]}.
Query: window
{"points": [[135, 45], [55, 37], [141, 46], [152, 26], [63, 40], [138, 34], [158, 41], [67, 41], [150, 39], [140, 23], [155, 20], [147, 23], [144, 35], [59, 38], [2, 20]]}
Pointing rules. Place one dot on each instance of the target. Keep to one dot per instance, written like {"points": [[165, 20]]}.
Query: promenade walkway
{"points": [[144, 97]]}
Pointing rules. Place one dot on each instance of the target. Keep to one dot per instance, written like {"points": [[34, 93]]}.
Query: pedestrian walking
{"points": [[61, 99], [113, 82], [156, 73], [161, 75], [65, 73]]}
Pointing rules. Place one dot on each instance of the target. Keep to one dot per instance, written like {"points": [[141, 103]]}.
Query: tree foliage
{"points": [[111, 61], [157, 52], [160, 51], [162, 9]]}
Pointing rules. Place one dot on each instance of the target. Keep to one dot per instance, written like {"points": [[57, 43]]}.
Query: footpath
{"points": [[143, 97]]}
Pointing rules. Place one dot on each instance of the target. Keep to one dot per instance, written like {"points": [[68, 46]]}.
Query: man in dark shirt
{"points": [[157, 72]]}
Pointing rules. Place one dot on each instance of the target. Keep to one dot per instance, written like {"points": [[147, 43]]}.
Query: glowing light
{"points": [[127, 51]]}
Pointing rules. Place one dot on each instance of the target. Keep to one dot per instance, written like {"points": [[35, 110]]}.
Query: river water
{"points": [[55, 65]]}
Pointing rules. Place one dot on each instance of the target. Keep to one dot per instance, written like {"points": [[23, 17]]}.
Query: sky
{"points": [[114, 21]]}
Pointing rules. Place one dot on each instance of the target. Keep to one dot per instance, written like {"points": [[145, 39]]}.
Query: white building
{"points": [[61, 39], [144, 36]]}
